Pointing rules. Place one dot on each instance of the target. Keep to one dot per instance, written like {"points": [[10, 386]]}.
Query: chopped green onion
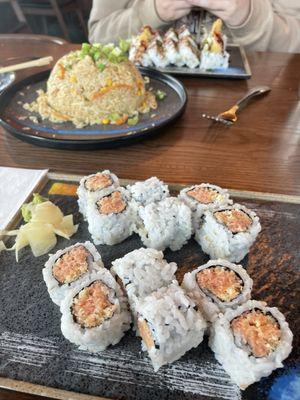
{"points": [[160, 95], [114, 116], [133, 120], [101, 66]]}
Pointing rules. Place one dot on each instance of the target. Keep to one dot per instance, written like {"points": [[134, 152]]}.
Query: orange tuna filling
{"points": [[235, 220], [111, 204], [71, 265], [91, 306], [257, 330], [146, 334], [221, 282], [203, 194], [98, 181]]}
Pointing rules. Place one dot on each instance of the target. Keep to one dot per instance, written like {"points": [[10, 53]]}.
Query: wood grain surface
{"points": [[259, 153]]}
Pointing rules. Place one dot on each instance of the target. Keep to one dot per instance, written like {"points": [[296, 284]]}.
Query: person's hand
{"points": [[170, 10], [233, 12]]}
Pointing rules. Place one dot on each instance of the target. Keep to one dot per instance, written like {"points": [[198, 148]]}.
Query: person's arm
{"points": [[272, 28], [259, 24], [111, 20]]}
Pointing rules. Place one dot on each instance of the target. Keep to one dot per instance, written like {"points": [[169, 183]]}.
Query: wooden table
{"points": [[259, 153]]}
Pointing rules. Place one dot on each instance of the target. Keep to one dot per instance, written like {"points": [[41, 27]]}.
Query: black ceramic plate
{"points": [[238, 67], [14, 118]]}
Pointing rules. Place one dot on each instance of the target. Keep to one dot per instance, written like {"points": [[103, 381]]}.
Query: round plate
{"points": [[6, 79], [15, 119]]}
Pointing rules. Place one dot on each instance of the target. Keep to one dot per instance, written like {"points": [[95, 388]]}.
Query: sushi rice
{"points": [[111, 329], [235, 355], [165, 224], [58, 290], [85, 195], [218, 241], [169, 325], [209, 302]]}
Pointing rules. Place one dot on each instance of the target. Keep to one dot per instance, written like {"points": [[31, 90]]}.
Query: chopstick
{"points": [[29, 64]]}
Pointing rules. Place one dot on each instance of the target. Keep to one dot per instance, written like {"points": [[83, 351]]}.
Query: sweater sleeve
{"points": [[111, 20], [271, 27]]}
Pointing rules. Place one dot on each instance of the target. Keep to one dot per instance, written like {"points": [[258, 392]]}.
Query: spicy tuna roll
{"points": [[251, 341], [165, 224], [95, 312], [169, 325], [141, 272], [228, 232], [94, 186], [217, 286], [149, 191], [66, 267], [203, 197], [111, 219]]}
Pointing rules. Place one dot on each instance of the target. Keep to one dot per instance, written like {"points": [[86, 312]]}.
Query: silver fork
{"points": [[230, 116]]}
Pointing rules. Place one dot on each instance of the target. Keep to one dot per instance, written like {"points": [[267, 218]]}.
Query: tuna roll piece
{"points": [[164, 224], [67, 267], [111, 219], [149, 191], [94, 186], [95, 313], [251, 341], [228, 232], [141, 272], [169, 325], [217, 286], [203, 197]]}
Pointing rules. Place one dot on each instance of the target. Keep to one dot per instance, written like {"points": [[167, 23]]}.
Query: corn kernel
{"points": [[73, 79], [105, 121]]}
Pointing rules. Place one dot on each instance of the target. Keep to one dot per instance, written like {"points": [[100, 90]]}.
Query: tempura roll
{"points": [[228, 232], [157, 53], [251, 341], [203, 197], [165, 224], [169, 325], [93, 186], [217, 286], [95, 313], [111, 219], [67, 267]]}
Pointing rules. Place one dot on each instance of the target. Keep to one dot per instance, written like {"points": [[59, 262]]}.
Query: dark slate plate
{"points": [[238, 67], [14, 118], [32, 348]]}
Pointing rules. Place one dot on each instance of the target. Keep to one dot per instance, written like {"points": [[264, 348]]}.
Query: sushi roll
{"points": [[94, 186], [169, 325], [171, 48], [67, 267], [251, 341], [228, 232], [203, 197], [214, 54], [217, 286], [141, 272], [95, 313], [189, 52], [111, 219], [149, 191], [164, 224], [138, 50], [156, 52]]}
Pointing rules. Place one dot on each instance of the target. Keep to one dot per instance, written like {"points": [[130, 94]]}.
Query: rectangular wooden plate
{"points": [[35, 358]]}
